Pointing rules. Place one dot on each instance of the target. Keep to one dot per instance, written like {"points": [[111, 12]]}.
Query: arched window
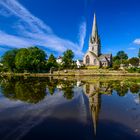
{"points": [[87, 60], [95, 62]]}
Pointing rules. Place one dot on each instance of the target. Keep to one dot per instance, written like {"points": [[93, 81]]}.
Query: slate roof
{"points": [[105, 57]]}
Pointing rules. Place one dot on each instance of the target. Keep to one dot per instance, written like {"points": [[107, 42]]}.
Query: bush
{"points": [[116, 67], [133, 70]]}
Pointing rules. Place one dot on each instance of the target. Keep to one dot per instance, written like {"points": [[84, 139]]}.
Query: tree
{"points": [[67, 59], [30, 59], [22, 60], [51, 63], [139, 53], [120, 58], [122, 55], [134, 61], [8, 59]]}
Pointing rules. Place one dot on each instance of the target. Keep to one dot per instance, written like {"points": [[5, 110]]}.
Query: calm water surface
{"points": [[68, 109]]}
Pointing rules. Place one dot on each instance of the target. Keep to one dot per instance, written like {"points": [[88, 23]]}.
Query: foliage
{"points": [[30, 59], [67, 59], [122, 55], [139, 53], [134, 88], [8, 60], [133, 70], [51, 63], [26, 90], [134, 61], [68, 90], [116, 64], [120, 58]]}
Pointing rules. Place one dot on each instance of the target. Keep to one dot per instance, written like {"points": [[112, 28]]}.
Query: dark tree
{"points": [[134, 61], [31, 59], [8, 59], [139, 53], [122, 55], [67, 59], [51, 63]]}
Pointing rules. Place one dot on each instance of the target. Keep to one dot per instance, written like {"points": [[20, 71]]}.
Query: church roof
{"points": [[105, 55]]}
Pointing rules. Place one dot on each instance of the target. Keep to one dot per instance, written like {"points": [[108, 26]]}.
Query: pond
{"points": [[69, 108]]}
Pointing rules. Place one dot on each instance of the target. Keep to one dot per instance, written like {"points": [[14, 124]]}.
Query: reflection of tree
{"points": [[31, 91], [87, 88], [120, 87], [52, 84], [134, 88], [68, 89], [122, 90]]}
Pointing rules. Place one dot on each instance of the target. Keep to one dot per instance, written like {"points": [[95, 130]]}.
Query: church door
{"points": [[87, 60]]}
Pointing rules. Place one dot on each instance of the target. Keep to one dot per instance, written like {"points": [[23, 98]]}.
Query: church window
{"points": [[87, 60], [95, 62]]}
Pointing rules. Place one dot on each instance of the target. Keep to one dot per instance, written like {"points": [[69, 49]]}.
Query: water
{"points": [[59, 108]]}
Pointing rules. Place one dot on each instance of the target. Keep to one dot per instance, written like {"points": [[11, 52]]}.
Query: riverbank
{"points": [[99, 72]]}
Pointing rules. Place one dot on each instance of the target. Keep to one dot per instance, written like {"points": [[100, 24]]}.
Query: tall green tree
{"points": [[30, 59], [22, 60], [122, 55], [51, 63], [67, 59], [120, 58], [8, 59], [139, 53]]}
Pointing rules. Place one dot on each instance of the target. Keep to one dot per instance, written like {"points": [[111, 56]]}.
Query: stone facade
{"points": [[94, 57]]}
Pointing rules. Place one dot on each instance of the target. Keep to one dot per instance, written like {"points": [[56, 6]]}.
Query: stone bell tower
{"points": [[94, 42]]}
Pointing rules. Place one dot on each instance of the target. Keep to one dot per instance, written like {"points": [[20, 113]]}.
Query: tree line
{"points": [[122, 58], [33, 59]]}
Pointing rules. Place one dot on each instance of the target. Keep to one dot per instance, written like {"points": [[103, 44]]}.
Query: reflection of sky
{"points": [[23, 117], [17, 118], [123, 110]]}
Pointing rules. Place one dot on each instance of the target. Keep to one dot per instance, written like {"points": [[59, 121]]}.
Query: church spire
{"points": [[94, 44], [94, 28]]}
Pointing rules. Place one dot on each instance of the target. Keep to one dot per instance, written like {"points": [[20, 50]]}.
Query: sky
{"points": [[58, 25]]}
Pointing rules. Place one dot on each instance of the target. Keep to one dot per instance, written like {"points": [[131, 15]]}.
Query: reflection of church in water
{"points": [[94, 91]]}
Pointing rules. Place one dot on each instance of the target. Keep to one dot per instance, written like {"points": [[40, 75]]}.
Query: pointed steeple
{"points": [[95, 28], [94, 44]]}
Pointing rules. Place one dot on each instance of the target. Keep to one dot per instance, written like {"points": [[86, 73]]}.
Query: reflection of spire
{"points": [[93, 91], [95, 103]]}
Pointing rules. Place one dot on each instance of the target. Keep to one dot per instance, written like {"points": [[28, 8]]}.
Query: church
{"points": [[93, 56]]}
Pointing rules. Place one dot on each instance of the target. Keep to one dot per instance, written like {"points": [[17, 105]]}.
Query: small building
{"points": [[79, 63], [93, 56], [59, 60]]}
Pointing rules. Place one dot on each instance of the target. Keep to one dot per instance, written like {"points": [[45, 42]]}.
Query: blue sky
{"points": [[57, 25]]}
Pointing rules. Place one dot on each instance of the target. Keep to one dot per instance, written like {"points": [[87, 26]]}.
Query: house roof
{"points": [[105, 57]]}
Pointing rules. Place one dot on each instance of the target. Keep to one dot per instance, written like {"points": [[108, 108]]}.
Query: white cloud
{"points": [[15, 8], [13, 41], [137, 41], [82, 34], [33, 31], [132, 48]]}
